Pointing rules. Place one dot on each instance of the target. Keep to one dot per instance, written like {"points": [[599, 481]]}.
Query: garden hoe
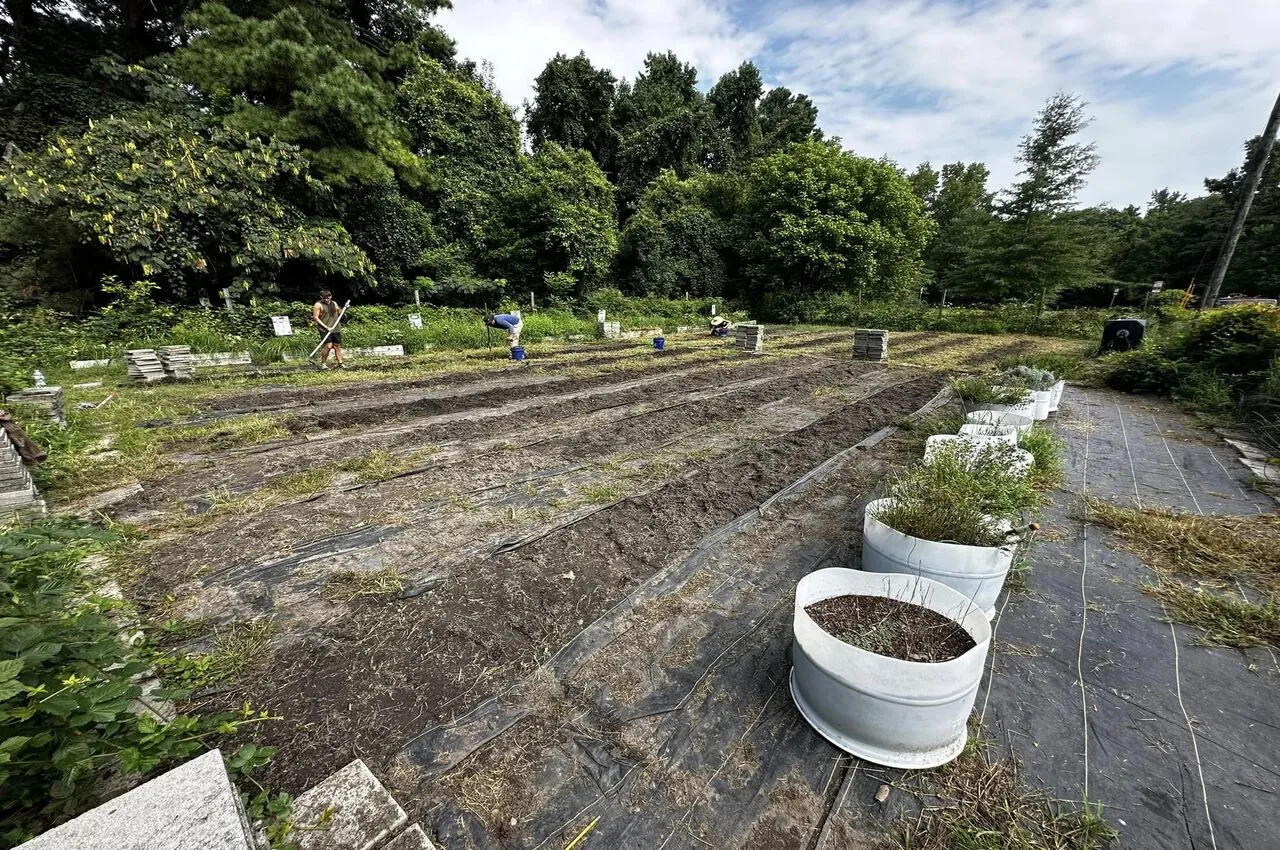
{"points": [[312, 356]]}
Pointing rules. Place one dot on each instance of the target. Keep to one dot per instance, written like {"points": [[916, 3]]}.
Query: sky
{"points": [[1175, 86]]}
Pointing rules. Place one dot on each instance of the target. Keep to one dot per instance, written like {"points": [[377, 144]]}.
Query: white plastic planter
{"points": [[978, 572], [1020, 422], [905, 714], [1055, 397], [1001, 432], [1042, 399]]}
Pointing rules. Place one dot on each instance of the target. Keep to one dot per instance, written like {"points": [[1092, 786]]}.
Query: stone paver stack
{"points": [[750, 337], [144, 365], [870, 344], [47, 399], [177, 362], [18, 493]]}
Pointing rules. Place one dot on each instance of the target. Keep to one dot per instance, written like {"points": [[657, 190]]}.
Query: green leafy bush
{"points": [[67, 685], [1143, 370]]}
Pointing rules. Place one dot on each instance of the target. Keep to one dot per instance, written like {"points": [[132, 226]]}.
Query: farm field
{"points": [[530, 596], [380, 553]]}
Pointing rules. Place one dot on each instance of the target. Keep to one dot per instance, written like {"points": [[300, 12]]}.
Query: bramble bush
{"points": [[67, 686]]}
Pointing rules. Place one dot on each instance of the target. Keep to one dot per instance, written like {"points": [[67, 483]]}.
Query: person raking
{"points": [[325, 313], [509, 322]]}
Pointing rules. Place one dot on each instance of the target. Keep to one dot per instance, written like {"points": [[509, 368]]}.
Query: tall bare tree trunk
{"points": [[1242, 209]]}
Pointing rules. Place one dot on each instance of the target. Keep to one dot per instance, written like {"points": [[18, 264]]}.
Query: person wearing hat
{"points": [[509, 322]]}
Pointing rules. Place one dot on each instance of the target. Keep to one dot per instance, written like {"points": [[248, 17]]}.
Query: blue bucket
{"points": [[517, 353], [659, 343]]}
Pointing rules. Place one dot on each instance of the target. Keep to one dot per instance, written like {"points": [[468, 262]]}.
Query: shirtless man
{"points": [[325, 314]]}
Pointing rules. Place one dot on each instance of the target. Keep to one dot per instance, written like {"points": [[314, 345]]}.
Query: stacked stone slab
{"points": [[176, 361], [18, 494], [47, 399], [750, 337], [610, 330], [144, 365], [870, 344]]}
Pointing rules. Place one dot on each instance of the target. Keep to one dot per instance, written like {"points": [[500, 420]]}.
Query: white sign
{"points": [[1157, 286], [600, 315], [415, 321], [281, 325]]}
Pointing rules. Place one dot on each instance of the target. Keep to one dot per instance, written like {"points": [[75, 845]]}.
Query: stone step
{"points": [[412, 838], [192, 806], [350, 810]]}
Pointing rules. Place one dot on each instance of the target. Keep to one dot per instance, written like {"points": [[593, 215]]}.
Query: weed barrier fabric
{"points": [[736, 764], [1178, 742]]}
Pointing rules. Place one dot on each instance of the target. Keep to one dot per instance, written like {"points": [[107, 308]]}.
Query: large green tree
{"points": [[961, 206], [663, 121], [559, 228], [815, 218], [469, 145], [677, 242], [735, 102], [1035, 252], [786, 118], [153, 196], [304, 76], [573, 107]]}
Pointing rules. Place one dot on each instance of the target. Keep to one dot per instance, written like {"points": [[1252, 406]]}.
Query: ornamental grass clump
{"points": [[959, 498]]}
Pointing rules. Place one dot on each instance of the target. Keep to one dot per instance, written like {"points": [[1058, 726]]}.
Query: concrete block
{"points": [[412, 838], [19, 498], [192, 806], [102, 501], [363, 813]]}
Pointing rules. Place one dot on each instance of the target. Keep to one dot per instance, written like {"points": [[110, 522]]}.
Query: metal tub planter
{"points": [[1055, 395], [1042, 400], [1020, 422], [905, 714], [1004, 433], [977, 572]]}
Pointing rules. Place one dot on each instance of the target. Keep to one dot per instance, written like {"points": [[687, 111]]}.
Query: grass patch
{"points": [[1046, 448], [377, 465], [228, 433], [351, 584], [600, 494], [985, 804], [234, 652], [1222, 553], [1225, 619]]}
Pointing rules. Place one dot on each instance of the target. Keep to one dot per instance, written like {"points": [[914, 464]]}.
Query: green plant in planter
{"points": [[978, 390], [1037, 380], [952, 497]]}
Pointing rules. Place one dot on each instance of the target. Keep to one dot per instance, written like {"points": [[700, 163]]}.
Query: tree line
{"points": [[268, 148]]}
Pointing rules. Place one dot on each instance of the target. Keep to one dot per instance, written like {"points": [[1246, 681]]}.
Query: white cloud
{"points": [[519, 36], [942, 80]]}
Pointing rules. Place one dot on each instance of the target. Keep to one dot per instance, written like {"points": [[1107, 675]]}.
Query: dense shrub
{"points": [[1209, 361], [67, 685]]}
